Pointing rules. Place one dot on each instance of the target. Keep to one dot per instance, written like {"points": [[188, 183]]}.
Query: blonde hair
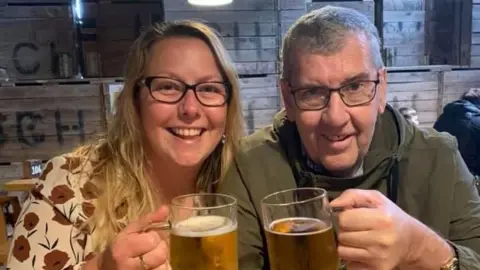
{"points": [[118, 159]]}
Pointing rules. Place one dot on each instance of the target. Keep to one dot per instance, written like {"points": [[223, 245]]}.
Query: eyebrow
{"points": [[356, 77], [205, 78]]}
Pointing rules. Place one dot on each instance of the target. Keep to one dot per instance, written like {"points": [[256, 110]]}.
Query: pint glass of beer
{"points": [[203, 232], [299, 230]]}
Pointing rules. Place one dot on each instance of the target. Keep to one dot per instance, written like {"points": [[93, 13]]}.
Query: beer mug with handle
{"points": [[299, 231], [203, 232]]}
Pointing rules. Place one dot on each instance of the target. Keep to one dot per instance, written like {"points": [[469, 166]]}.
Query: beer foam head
{"points": [[200, 226]]}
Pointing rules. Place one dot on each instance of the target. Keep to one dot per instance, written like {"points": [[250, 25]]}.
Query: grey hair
{"points": [[324, 31]]}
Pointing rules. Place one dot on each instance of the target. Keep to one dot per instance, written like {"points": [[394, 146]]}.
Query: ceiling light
{"points": [[210, 3]]}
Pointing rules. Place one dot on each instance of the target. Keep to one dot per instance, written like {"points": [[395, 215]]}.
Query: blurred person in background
{"points": [[410, 115], [461, 118]]}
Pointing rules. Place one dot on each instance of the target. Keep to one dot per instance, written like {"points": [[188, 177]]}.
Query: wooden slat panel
{"points": [[59, 103], [290, 15], [400, 77], [261, 103], [252, 93], [249, 43], [403, 33], [236, 29], [28, 46], [175, 5], [413, 95], [427, 118], [462, 76], [42, 121], [253, 55], [256, 68], [476, 12], [366, 7], [475, 61], [412, 86], [256, 119], [418, 105], [408, 60], [417, 49], [28, 12], [475, 50], [108, 14], [393, 5], [225, 16], [52, 91], [50, 115], [259, 82], [476, 26], [50, 129], [42, 30], [403, 16], [37, 1], [458, 82], [476, 38], [44, 150], [291, 4], [12, 171]]}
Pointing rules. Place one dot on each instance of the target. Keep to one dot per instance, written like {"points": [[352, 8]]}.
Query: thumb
{"points": [[160, 215], [356, 198]]}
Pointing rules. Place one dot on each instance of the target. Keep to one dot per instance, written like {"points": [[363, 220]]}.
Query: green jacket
{"points": [[428, 180]]}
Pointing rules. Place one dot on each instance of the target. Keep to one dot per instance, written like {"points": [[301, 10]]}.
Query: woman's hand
{"points": [[135, 248]]}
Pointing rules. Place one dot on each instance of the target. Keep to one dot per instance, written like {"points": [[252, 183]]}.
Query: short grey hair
{"points": [[324, 31]]}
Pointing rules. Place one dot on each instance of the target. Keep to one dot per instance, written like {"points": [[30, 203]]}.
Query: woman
{"points": [[93, 205]]}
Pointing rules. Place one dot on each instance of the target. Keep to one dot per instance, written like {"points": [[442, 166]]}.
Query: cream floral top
{"points": [[49, 234]]}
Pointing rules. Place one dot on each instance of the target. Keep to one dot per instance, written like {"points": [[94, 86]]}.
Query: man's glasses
{"points": [[353, 94], [171, 91]]}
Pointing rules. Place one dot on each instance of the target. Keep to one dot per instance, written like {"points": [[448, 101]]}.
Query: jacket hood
{"points": [[462, 109], [392, 133]]}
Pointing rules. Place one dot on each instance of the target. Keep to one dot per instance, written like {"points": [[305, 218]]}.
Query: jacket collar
{"points": [[391, 135]]}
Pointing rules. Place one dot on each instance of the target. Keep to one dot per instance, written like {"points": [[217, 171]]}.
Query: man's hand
{"points": [[374, 233]]}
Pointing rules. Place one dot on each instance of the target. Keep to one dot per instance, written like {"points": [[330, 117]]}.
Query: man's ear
{"points": [[287, 100], [382, 90]]}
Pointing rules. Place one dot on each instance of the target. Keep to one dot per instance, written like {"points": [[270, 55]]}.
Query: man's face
{"points": [[337, 136]]}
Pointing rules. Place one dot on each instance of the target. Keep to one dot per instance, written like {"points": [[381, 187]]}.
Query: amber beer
{"points": [[204, 243], [301, 243]]}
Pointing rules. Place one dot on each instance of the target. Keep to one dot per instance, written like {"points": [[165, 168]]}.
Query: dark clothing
{"points": [[421, 170], [461, 118]]}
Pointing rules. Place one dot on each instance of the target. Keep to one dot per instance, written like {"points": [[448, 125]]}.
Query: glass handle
{"points": [[162, 226]]}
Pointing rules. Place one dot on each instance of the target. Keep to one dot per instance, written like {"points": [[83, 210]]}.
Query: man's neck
{"points": [[355, 171]]}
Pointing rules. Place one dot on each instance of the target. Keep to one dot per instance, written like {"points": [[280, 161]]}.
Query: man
{"points": [[461, 118], [410, 200]]}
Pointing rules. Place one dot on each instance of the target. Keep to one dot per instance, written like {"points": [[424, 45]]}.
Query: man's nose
{"points": [[335, 113]]}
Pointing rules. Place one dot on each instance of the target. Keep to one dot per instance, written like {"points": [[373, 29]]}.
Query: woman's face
{"points": [[185, 132]]}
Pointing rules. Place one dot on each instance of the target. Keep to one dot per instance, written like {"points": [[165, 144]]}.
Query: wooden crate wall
{"points": [[415, 89], [458, 82], [290, 11], [31, 36], [41, 121], [248, 27], [475, 60], [109, 29], [404, 31], [260, 101]]}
